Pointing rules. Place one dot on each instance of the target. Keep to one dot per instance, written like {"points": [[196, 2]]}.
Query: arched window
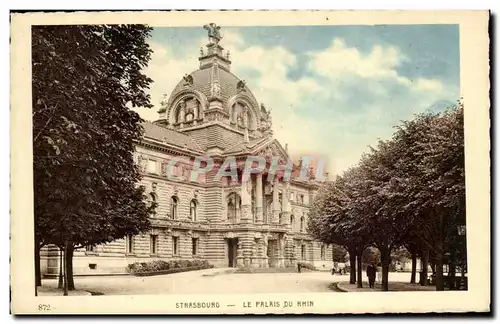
{"points": [[152, 200], [233, 207], [192, 210], [174, 201], [292, 222], [302, 221]]}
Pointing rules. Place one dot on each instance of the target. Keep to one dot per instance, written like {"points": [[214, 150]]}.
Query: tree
{"points": [[326, 220], [331, 220], [436, 194], [371, 254], [85, 78], [412, 244], [339, 253], [407, 191], [377, 195]]}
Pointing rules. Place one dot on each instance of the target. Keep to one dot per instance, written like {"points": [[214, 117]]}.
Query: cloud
{"points": [[338, 60], [341, 102]]}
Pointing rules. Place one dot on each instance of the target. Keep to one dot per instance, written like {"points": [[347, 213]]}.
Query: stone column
{"points": [[276, 206], [233, 114], [265, 258], [239, 254], [259, 199], [260, 252], [199, 110], [281, 252], [291, 251], [182, 114], [246, 240], [246, 201]]}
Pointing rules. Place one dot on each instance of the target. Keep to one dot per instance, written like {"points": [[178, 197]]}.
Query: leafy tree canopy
{"points": [[85, 79]]}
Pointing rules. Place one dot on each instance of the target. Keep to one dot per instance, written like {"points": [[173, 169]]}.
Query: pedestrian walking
{"points": [[371, 272]]}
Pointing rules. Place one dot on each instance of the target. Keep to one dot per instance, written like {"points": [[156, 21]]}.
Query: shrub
{"points": [[306, 265], [165, 267]]}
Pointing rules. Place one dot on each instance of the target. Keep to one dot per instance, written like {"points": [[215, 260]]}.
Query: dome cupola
{"points": [[212, 94]]}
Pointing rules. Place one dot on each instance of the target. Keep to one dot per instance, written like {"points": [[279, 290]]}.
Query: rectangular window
{"points": [[89, 248], [323, 252], [301, 199], [195, 246], [129, 243], [153, 244], [303, 252], [175, 245], [151, 166]]}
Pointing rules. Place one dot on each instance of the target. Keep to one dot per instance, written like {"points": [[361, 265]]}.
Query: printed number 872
{"points": [[43, 307]]}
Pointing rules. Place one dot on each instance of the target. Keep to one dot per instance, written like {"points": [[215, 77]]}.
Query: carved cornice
{"points": [[167, 147]]}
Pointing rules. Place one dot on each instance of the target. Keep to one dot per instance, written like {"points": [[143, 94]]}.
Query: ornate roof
{"points": [[214, 94], [242, 147], [169, 136], [202, 80]]}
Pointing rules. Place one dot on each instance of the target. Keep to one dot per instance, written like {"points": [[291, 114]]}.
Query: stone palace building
{"points": [[256, 223]]}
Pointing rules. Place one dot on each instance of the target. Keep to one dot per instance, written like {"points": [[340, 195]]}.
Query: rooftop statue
{"points": [[188, 79], [213, 33], [263, 109], [240, 86]]}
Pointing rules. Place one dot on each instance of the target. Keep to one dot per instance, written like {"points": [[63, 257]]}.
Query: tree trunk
{"points": [[38, 274], [60, 284], [425, 267], [69, 266], [413, 267], [352, 262], [65, 271], [439, 254], [452, 269], [439, 266], [360, 271], [385, 256]]}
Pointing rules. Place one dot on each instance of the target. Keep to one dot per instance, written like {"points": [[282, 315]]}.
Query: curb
{"points": [[339, 287], [335, 287]]}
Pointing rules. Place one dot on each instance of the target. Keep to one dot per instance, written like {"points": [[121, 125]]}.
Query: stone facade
{"points": [[261, 222]]}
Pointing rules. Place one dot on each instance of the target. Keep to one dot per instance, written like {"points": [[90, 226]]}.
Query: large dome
{"points": [[202, 80], [212, 94]]}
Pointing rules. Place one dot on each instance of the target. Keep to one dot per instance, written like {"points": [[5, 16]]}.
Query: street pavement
{"points": [[212, 281]]}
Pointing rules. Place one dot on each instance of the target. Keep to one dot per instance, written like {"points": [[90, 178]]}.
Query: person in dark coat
{"points": [[371, 273]]}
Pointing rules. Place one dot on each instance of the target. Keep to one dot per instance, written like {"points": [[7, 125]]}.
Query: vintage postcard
{"points": [[284, 162]]}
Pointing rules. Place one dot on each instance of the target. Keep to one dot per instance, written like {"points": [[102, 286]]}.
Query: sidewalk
{"points": [[54, 291], [393, 286]]}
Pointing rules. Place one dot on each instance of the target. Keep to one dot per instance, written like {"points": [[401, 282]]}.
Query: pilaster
{"points": [[285, 218], [276, 207], [246, 201], [259, 199]]}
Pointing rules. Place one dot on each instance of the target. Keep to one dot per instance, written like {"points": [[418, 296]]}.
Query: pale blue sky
{"points": [[333, 90]]}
